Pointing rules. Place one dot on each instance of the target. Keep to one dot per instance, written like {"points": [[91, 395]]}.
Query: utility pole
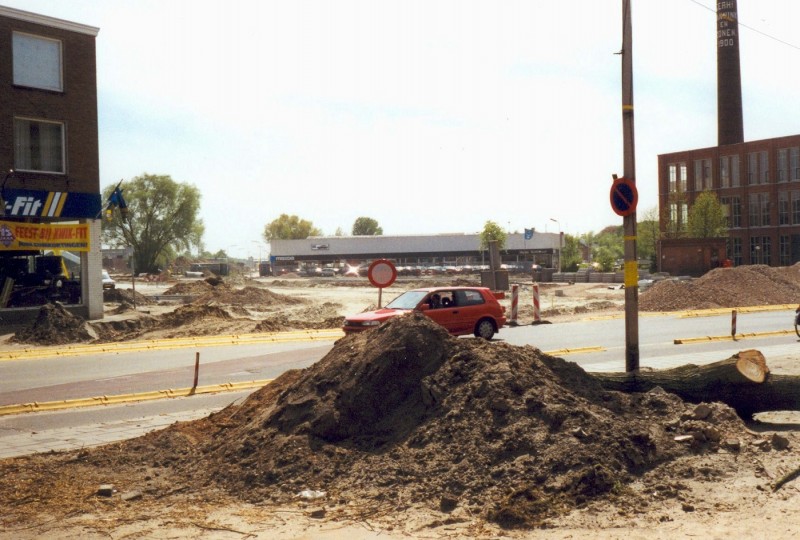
{"points": [[629, 221]]}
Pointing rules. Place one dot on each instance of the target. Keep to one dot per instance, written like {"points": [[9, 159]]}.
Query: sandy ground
{"points": [[730, 499]]}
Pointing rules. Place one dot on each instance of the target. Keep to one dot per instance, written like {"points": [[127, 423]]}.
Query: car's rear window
{"points": [[469, 298]]}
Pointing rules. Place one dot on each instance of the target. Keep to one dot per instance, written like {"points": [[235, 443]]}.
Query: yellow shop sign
{"points": [[15, 236]]}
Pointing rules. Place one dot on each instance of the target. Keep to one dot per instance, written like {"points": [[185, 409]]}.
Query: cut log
{"points": [[742, 381]]}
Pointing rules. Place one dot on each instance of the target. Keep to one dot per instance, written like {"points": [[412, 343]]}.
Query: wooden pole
{"points": [[196, 370], [629, 223]]}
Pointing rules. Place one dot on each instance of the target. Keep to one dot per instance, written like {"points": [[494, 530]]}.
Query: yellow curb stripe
{"points": [[724, 311], [578, 350], [38, 406], [700, 339], [173, 343]]}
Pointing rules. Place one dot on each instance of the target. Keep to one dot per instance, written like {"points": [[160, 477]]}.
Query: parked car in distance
{"points": [[108, 283], [461, 310], [328, 272]]}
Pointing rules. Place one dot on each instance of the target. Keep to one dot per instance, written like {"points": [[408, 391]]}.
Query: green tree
{"points": [[162, 220], [492, 232], [706, 218], [607, 246], [288, 227], [649, 234], [571, 253], [606, 258], [366, 226]]}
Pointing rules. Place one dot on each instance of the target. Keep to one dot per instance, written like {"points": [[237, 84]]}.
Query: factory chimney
{"points": [[730, 126]]}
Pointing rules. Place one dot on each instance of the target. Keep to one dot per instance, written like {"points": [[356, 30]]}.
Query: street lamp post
{"points": [[260, 245], [559, 242]]}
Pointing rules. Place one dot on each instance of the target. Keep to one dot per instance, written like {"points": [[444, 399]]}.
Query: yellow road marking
{"points": [[577, 350], [38, 406], [173, 343], [682, 341]]}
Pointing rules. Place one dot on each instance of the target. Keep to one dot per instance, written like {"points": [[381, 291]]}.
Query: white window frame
{"points": [[36, 67], [23, 160]]}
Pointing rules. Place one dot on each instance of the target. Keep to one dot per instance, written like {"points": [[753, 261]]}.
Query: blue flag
{"points": [[529, 234]]}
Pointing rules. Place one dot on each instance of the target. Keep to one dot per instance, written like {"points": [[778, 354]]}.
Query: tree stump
{"points": [[742, 381]]}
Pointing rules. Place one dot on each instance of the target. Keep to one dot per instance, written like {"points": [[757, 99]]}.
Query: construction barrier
{"points": [[514, 303], [536, 314], [733, 324]]}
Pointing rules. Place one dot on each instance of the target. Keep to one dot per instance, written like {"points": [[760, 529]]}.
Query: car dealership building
{"points": [[521, 250]]}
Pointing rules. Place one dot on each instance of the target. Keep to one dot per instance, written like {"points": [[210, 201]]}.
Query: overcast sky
{"points": [[428, 116]]}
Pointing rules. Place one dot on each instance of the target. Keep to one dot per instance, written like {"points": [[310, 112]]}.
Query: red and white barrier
{"points": [[536, 313], [514, 303]]}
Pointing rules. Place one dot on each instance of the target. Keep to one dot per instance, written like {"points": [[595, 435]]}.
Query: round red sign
{"points": [[382, 273], [624, 196]]}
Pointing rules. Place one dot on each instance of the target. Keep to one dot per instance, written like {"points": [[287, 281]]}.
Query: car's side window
{"points": [[441, 299], [447, 299], [472, 298]]}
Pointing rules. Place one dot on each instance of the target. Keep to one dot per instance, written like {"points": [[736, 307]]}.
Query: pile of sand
{"points": [[54, 325]]}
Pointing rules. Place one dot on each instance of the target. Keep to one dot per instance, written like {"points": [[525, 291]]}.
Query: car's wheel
{"points": [[484, 329]]}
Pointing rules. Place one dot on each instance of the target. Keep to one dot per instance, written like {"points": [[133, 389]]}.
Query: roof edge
{"points": [[44, 20]]}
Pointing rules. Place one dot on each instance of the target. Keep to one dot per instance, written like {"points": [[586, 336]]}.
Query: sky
{"points": [[429, 116]]}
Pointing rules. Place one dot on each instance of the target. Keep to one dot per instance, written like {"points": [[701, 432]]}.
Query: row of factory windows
{"points": [[759, 210], [758, 171]]}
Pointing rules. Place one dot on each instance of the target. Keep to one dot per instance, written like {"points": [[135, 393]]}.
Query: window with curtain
{"points": [[38, 145]]}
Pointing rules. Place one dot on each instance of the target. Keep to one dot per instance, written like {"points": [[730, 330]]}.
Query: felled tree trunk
{"points": [[743, 382]]}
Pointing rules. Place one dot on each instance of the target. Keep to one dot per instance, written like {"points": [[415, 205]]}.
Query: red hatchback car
{"points": [[461, 310]]}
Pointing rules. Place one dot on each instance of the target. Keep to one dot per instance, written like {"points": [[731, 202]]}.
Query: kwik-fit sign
{"points": [[26, 203]]}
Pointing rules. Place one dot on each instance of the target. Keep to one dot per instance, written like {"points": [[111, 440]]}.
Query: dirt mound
{"points": [[124, 330], [408, 414], [54, 325], [314, 317], [189, 288], [191, 314], [726, 288], [125, 296], [248, 296]]}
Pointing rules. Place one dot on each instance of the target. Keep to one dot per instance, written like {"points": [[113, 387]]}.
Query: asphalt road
{"points": [[107, 373]]}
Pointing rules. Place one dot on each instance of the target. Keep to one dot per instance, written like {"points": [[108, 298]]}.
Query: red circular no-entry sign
{"points": [[382, 273], [624, 196]]}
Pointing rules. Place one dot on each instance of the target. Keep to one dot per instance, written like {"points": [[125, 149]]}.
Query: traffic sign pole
{"points": [[629, 221], [381, 273]]}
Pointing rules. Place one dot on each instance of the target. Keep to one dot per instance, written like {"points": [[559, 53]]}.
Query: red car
{"points": [[461, 310]]}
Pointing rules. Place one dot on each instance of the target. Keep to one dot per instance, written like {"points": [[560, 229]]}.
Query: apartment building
{"points": [[49, 157]]}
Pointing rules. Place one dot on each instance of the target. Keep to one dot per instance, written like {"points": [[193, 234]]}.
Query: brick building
{"points": [[49, 145], [758, 184]]}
